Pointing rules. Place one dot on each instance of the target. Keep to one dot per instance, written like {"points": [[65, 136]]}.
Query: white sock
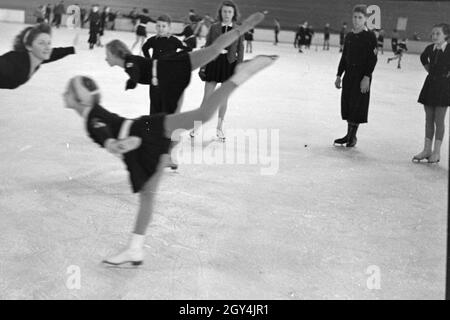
{"points": [[137, 241]]}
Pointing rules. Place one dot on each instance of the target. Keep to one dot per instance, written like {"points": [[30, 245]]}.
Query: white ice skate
{"points": [[133, 256]]}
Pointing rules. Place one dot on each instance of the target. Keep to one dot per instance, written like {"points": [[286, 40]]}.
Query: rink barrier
{"points": [[12, 15]]}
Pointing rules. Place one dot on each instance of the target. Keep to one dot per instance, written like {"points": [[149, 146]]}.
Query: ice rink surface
{"points": [[317, 229]]}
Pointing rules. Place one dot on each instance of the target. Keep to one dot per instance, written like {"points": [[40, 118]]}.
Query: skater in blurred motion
{"points": [[32, 47], [143, 143], [435, 93], [401, 48], [358, 61]]}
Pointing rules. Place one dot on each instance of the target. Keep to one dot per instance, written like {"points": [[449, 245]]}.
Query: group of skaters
{"points": [[77, 15], [144, 143]]}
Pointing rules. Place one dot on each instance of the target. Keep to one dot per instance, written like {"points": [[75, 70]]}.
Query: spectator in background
{"points": [[94, 26], [248, 37], [326, 37], [48, 12], [300, 37], [309, 31], [190, 40], [133, 15], [276, 29], [112, 20], [58, 12], [82, 16], [342, 35], [39, 14], [194, 17]]}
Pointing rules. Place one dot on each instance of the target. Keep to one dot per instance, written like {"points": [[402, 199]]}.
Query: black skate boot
{"points": [[352, 136], [344, 139]]}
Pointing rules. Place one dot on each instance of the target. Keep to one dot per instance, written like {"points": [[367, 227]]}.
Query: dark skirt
{"points": [[354, 104], [141, 31], [248, 36], [435, 91], [143, 162], [174, 76], [219, 70], [93, 37]]}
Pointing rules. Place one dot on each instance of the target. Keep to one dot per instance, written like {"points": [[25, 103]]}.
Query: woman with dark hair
{"points": [[141, 30], [435, 93], [32, 47], [221, 68]]}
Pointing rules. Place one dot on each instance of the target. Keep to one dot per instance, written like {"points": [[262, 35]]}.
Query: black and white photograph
{"points": [[224, 150]]}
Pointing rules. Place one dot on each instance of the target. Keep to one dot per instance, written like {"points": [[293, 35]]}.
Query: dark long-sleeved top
{"points": [[235, 50], [161, 46], [189, 37], [102, 125], [15, 66], [438, 61], [139, 69], [360, 51]]}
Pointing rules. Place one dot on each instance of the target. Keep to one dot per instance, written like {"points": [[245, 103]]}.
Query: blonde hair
{"points": [[118, 49]]}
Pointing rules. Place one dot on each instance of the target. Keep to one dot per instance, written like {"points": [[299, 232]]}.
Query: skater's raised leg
{"points": [[204, 56], [244, 71]]}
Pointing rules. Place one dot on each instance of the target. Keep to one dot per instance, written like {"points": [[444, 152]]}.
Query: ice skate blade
{"points": [[112, 264]]}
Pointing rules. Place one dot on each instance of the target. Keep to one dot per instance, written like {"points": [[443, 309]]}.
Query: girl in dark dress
{"points": [[326, 37], [301, 37], [95, 26], [32, 47], [358, 61], [380, 41], [143, 143], [141, 30], [248, 37], [435, 93], [220, 69], [342, 35]]}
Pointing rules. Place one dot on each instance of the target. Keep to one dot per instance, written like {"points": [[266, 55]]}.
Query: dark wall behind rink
{"points": [[421, 14]]}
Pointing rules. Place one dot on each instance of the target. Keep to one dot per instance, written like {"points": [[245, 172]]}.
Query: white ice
{"points": [[312, 231]]}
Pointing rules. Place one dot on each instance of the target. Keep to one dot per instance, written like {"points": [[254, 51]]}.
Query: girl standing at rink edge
{"points": [[435, 93], [219, 70]]}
